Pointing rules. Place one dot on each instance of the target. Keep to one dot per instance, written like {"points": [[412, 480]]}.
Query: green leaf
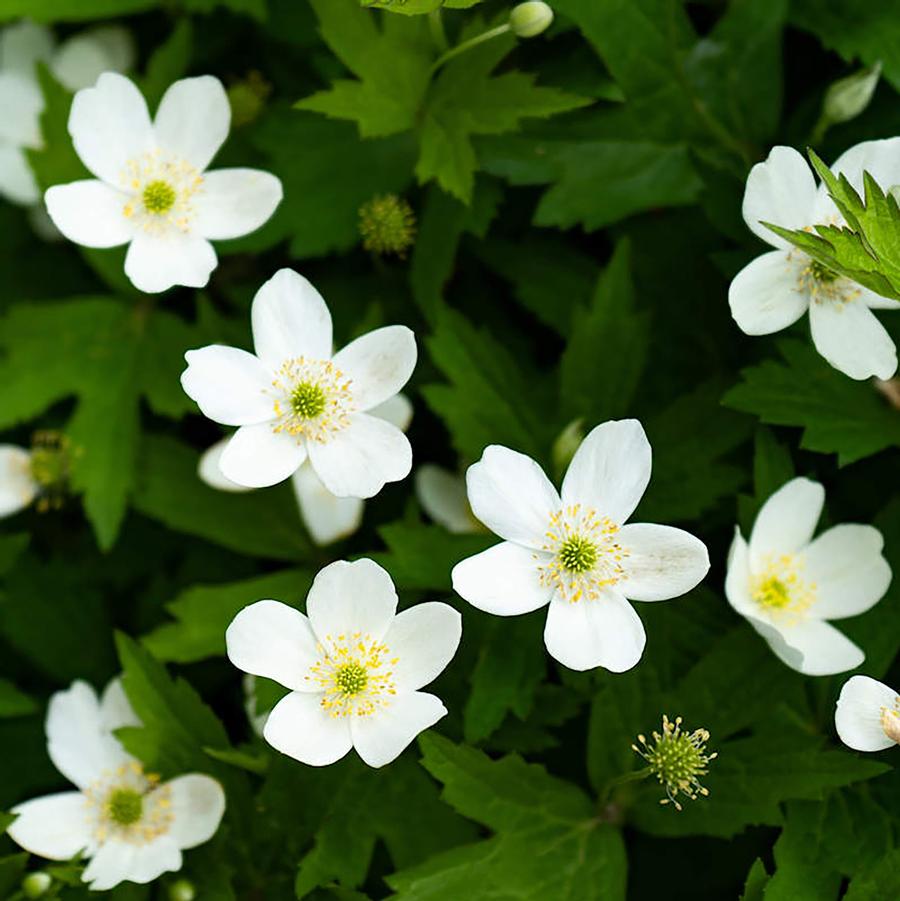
{"points": [[800, 873], [71, 10], [168, 62], [757, 880], [12, 869], [14, 702], [417, 7], [878, 882]]}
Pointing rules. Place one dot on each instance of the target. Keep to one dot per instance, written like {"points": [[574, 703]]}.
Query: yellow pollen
{"points": [[128, 805], [820, 283], [158, 196], [780, 590], [351, 678], [124, 806], [311, 399], [161, 191], [890, 721]]}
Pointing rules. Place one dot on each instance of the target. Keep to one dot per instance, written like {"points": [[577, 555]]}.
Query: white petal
{"points": [[156, 263], [257, 457], [299, 727], [512, 496], [326, 516], [229, 385], [442, 495], [235, 202], [383, 736], [351, 597], [786, 521], [397, 410], [117, 44], [378, 364], [813, 647], [209, 472], [737, 579], [198, 803], [82, 58], [290, 320], [90, 213], [24, 44], [110, 125], [193, 119], [115, 708], [852, 339], [17, 488], [881, 159], [503, 580], [857, 717], [848, 570], [662, 563], [17, 182], [121, 861], [424, 639], [56, 826], [601, 632], [78, 741], [782, 190], [271, 639], [360, 459], [765, 296], [610, 470], [875, 301], [21, 101]]}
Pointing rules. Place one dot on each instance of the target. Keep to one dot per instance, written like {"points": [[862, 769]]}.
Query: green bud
{"points": [[247, 98], [849, 96], [527, 20], [34, 885], [183, 890], [566, 444]]}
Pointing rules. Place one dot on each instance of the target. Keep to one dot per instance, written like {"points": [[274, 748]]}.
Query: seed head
{"points": [[387, 225]]}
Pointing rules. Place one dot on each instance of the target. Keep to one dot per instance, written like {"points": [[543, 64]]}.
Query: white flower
{"points": [[787, 585], [77, 63], [152, 190], [18, 486], [327, 517], [442, 495], [132, 827], [573, 551], [295, 400], [867, 717], [354, 665], [776, 289]]}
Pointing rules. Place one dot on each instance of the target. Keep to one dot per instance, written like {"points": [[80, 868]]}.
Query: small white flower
{"points": [[867, 717], [131, 826], [18, 486], [328, 518], [573, 550], [776, 289], [442, 495], [787, 585], [152, 190], [295, 400], [354, 665]]}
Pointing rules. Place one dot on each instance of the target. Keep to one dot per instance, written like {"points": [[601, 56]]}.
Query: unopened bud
{"points": [[566, 444], [849, 96], [35, 885], [529, 19], [247, 98], [183, 890]]}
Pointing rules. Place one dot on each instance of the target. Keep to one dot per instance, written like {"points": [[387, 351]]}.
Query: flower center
{"points": [[351, 678], [128, 805], [577, 554], [124, 806], [159, 196], [162, 190], [780, 590], [48, 465], [822, 284], [387, 225], [821, 273], [311, 398], [308, 400], [890, 721]]}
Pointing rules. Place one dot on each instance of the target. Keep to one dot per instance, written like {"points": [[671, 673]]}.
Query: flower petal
{"points": [[737, 579], [857, 717], [881, 159], [378, 364], [209, 472], [765, 296], [84, 57], [198, 803], [512, 496], [610, 470], [290, 320], [603, 632], [786, 521], [397, 410], [56, 826], [193, 119], [424, 639], [382, 737], [663, 562], [90, 213], [813, 647], [299, 727], [229, 385], [257, 457], [360, 459], [273, 640], [21, 101], [848, 570], [850, 338], [442, 495], [351, 597], [115, 708], [24, 44], [17, 487], [17, 182], [502, 580], [235, 202], [110, 125], [327, 517], [122, 861], [155, 263], [782, 190]]}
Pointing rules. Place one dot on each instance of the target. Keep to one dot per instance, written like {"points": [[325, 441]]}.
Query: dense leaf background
{"points": [[578, 204]]}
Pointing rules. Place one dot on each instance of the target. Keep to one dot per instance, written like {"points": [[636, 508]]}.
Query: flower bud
{"points": [[35, 885], [183, 890], [849, 96], [529, 19], [566, 444]]}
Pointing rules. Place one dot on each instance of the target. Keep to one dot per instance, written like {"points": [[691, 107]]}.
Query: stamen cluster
{"points": [[312, 399], [162, 190], [129, 805], [50, 464], [780, 590]]}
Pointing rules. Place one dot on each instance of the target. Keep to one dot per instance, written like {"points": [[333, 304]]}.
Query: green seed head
{"points": [[577, 554], [124, 806], [351, 678], [159, 197], [387, 225], [308, 400]]}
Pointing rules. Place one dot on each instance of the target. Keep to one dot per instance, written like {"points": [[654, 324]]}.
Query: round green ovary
{"points": [[125, 806], [577, 554], [159, 197], [308, 400], [773, 593], [351, 678], [677, 760]]}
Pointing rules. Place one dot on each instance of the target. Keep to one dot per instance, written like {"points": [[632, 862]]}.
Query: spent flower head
{"points": [[387, 225]]}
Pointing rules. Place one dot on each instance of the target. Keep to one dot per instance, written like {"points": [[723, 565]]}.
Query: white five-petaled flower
{"points": [[353, 664], [867, 717], [132, 826], [152, 190], [442, 495], [327, 517], [788, 585], [776, 289], [295, 400], [573, 551]]}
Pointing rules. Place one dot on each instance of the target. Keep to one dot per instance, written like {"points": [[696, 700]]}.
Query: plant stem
{"points": [[613, 784], [468, 45], [438, 35]]}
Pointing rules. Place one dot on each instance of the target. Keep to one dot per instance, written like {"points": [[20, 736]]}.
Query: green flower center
{"points": [[822, 273], [308, 400], [772, 592], [125, 806], [351, 678], [677, 760], [159, 197], [49, 466], [577, 554]]}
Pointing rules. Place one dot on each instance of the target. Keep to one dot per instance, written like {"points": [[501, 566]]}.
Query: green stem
{"points": [[818, 131], [624, 779], [468, 45], [438, 35]]}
